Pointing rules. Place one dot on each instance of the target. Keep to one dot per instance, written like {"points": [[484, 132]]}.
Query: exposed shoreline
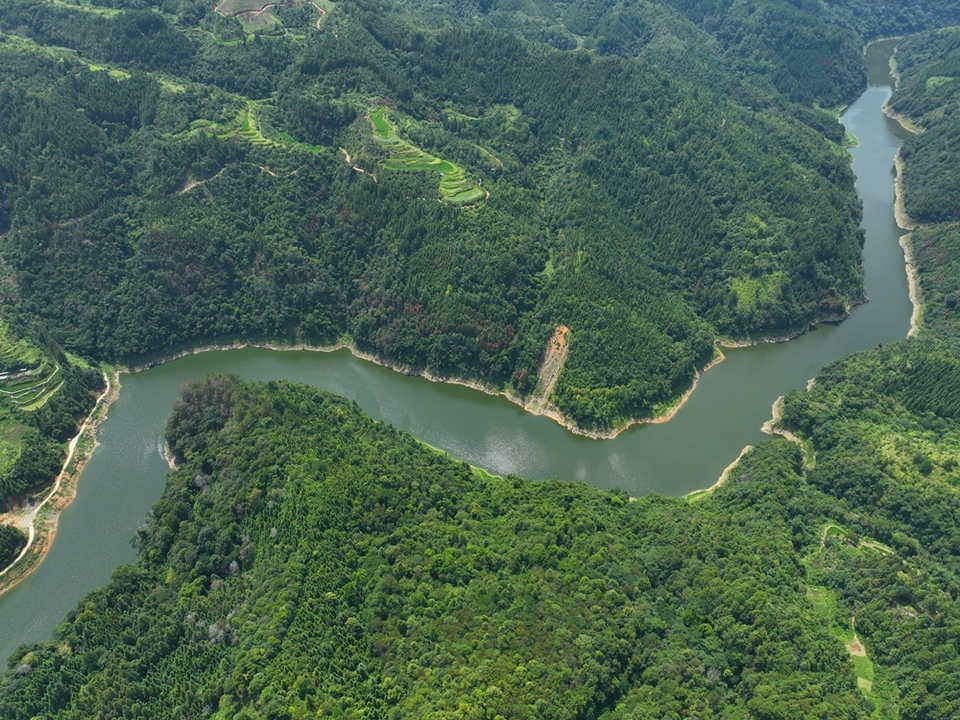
{"points": [[904, 221], [547, 409], [899, 210], [773, 426], [724, 476], [913, 283], [42, 527]]}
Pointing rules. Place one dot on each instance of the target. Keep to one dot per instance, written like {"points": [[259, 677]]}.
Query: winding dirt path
{"points": [[27, 520]]}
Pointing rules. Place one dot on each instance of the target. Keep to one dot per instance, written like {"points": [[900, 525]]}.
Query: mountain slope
{"points": [[198, 189]]}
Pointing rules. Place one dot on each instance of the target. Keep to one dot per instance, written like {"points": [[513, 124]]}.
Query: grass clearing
{"points": [[112, 72], [455, 187], [937, 81], [836, 543]]}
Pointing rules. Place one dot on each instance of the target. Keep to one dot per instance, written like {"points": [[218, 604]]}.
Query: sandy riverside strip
{"points": [[724, 476], [913, 282], [548, 410], [60, 496], [904, 221]]}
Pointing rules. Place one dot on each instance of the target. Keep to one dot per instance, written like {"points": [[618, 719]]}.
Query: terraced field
{"points": [[35, 391], [248, 127], [455, 187], [28, 379]]}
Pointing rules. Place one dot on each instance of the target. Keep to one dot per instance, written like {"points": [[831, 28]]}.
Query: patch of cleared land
{"points": [[836, 543], [455, 188], [553, 358], [256, 12]]}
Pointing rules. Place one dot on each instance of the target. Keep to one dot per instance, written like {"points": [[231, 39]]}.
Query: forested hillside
{"points": [[305, 560], [762, 52], [174, 178], [927, 95]]}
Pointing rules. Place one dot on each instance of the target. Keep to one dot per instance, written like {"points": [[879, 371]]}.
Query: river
{"points": [[126, 474]]}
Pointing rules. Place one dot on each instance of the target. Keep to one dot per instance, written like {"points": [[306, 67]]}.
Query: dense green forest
{"points": [[927, 94], [305, 560], [168, 180], [763, 52], [12, 541]]}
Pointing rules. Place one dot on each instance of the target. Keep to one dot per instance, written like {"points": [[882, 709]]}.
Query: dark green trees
{"points": [[305, 559]]}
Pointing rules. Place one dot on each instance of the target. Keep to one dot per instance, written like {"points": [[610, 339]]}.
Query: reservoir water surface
{"points": [[126, 474]]}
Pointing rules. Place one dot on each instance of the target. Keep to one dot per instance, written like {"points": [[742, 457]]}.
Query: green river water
{"points": [[126, 474]]}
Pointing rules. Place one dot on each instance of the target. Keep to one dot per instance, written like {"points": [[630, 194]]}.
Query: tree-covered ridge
{"points": [[775, 47], [805, 52], [927, 94], [884, 441], [305, 560], [647, 213]]}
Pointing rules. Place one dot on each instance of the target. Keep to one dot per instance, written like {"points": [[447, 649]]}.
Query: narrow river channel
{"points": [[126, 474]]}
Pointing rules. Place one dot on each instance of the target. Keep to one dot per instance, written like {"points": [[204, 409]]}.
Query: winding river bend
{"points": [[126, 474]]}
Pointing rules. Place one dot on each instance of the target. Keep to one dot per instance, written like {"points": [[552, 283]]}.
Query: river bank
{"points": [[904, 121], [542, 409], [547, 410], [904, 221], [770, 427], [899, 209], [127, 474], [792, 334], [724, 476], [40, 520]]}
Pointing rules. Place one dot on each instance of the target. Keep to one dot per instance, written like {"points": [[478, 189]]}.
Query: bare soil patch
{"points": [[553, 359]]}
